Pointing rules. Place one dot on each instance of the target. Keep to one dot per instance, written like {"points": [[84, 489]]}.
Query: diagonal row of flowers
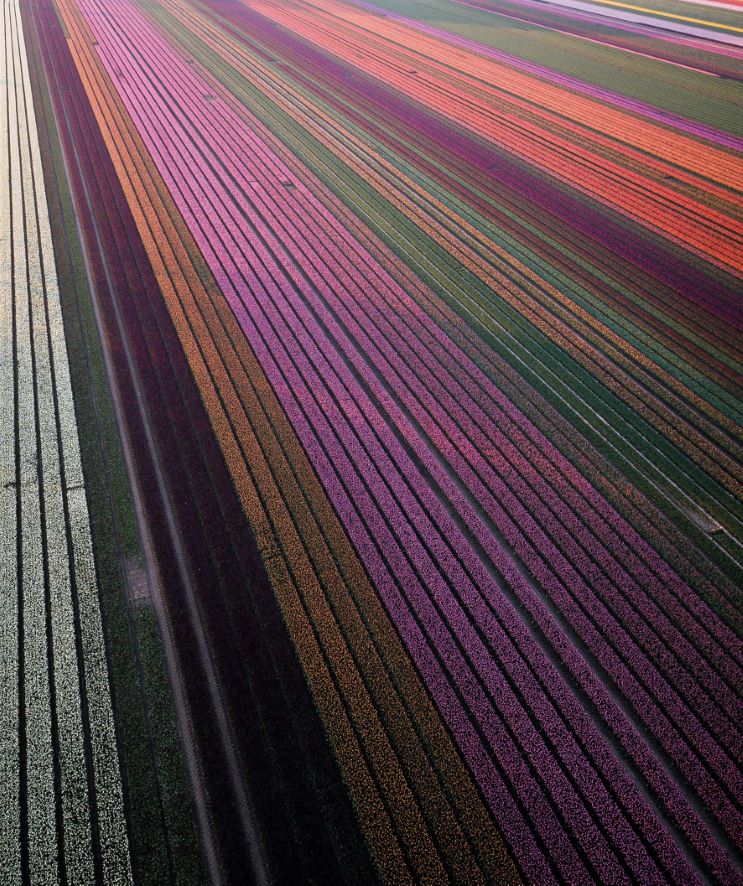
{"points": [[406, 479]]}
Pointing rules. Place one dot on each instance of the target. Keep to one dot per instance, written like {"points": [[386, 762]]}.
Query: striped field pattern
{"points": [[55, 690], [459, 287]]}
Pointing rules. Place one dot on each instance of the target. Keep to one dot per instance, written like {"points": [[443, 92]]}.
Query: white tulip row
{"points": [[9, 759], [47, 463]]}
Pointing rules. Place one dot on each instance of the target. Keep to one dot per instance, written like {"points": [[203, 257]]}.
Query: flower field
{"points": [[398, 346]]}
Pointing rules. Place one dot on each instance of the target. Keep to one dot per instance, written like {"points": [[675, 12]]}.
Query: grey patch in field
{"points": [[137, 583], [702, 520]]}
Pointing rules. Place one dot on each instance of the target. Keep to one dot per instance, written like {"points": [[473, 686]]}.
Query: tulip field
{"points": [[371, 441]]}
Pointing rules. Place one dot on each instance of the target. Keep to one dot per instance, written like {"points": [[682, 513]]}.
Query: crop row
{"points": [[401, 347], [64, 702], [203, 500], [613, 98], [299, 364], [696, 52], [298, 199], [356, 203], [362, 169], [628, 131], [274, 562], [462, 99], [429, 147], [465, 517], [421, 156], [536, 132]]}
